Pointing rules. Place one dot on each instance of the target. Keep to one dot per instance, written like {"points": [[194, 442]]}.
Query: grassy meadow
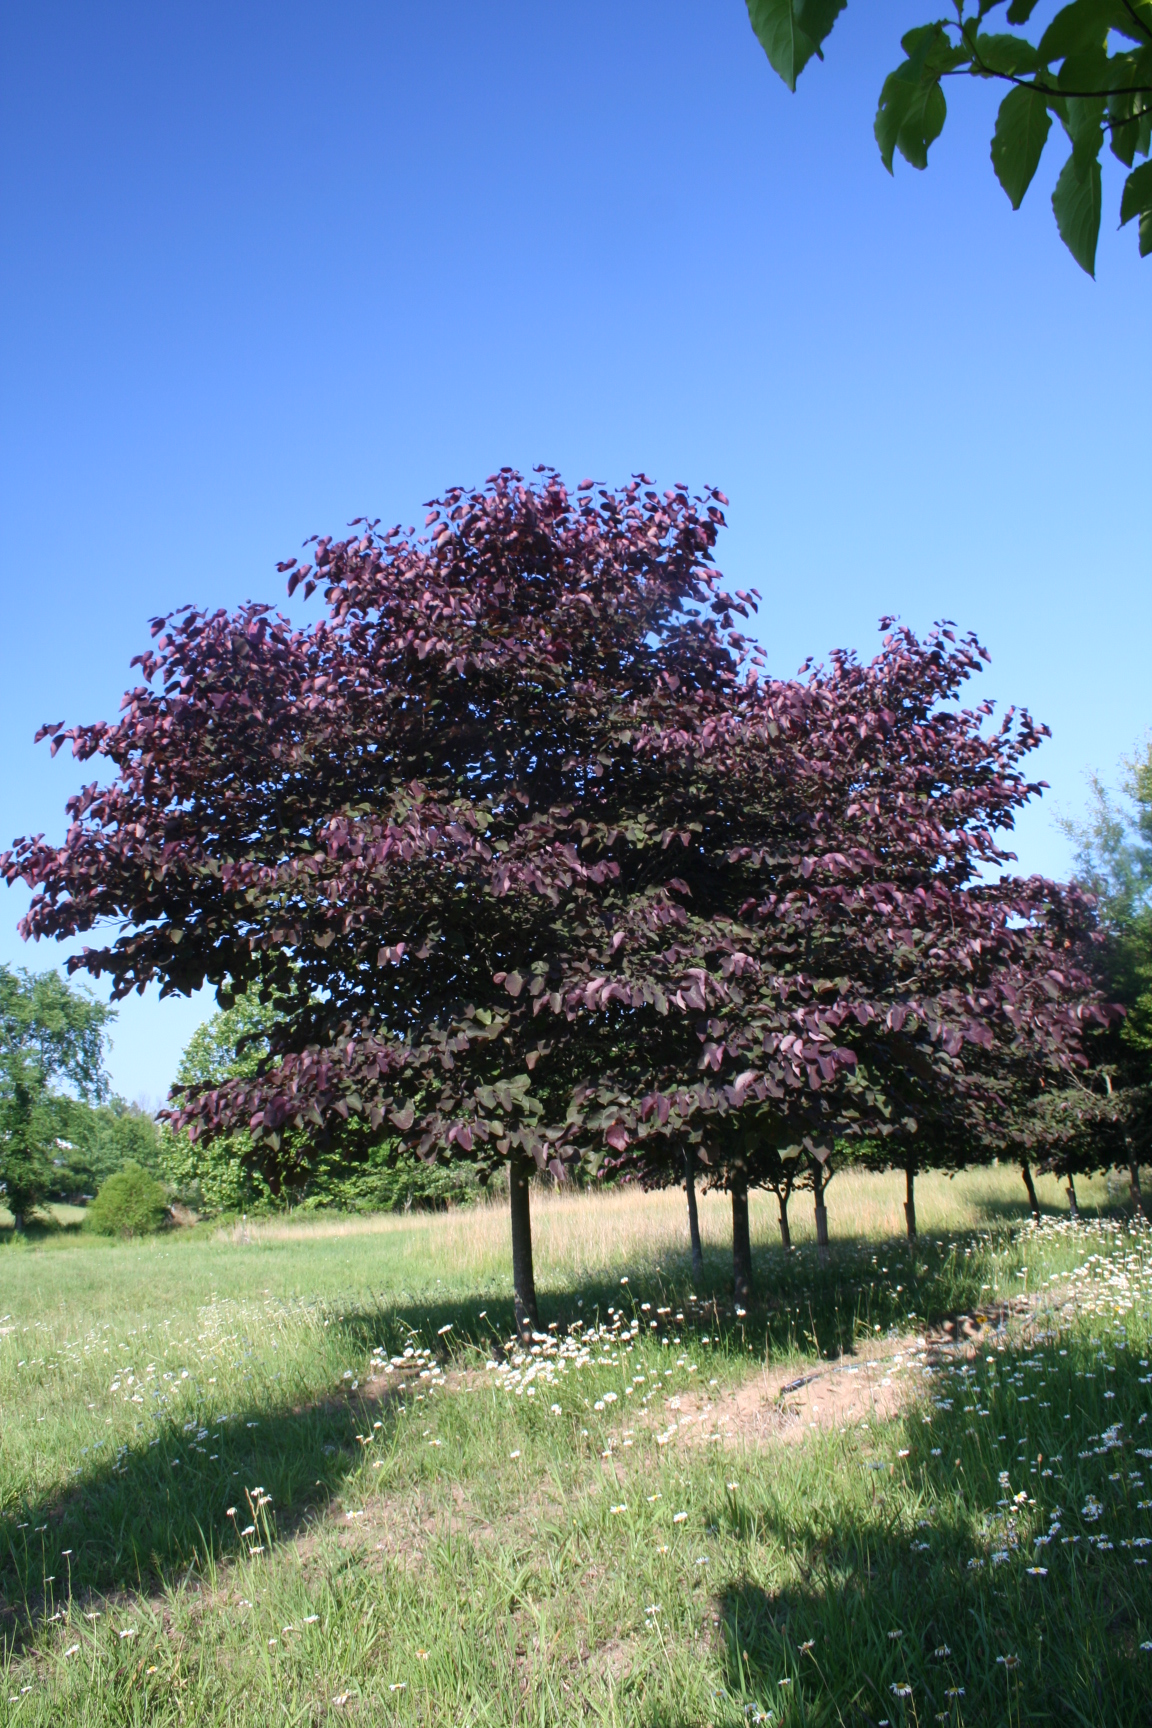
{"points": [[297, 1470]]}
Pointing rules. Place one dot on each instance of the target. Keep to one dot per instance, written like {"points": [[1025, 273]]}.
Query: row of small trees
{"points": [[536, 868]]}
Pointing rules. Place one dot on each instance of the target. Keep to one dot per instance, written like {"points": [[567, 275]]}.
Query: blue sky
{"points": [[267, 267]]}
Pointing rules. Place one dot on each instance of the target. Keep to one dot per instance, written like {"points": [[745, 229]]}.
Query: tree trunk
{"points": [[819, 1183], [910, 1202], [1026, 1172], [18, 1223], [693, 1216], [1073, 1208], [1134, 1181], [523, 1283], [782, 1195], [741, 1243]]}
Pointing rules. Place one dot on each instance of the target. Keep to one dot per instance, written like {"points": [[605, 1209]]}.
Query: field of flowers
{"points": [[312, 1478]]}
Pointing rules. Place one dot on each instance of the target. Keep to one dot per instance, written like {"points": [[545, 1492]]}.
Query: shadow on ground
{"points": [[144, 1518]]}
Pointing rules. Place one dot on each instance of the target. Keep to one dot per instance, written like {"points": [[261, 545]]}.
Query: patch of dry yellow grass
{"points": [[585, 1235]]}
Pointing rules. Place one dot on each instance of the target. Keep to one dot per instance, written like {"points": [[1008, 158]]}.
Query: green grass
{"points": [[462, 1552]]}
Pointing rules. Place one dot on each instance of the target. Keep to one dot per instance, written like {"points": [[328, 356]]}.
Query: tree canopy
{"points": [[530, 864], [1090, 68], [51, 1054]]}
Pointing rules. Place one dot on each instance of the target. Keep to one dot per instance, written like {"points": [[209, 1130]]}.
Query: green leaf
{"points": [[791, 31], [909, 118], [1132, 18], [1136, 200], [1010, 54], [1082, 25], [1022, 128], [1020, 11], [1076, 206]]}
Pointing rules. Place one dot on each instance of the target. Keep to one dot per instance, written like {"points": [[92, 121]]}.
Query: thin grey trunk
{"points": [[1134, 1182], [1026, 1173], [819, 1183], [910, 1201], [741, 1242], [782, 1195], [1073, 1208], [693, 1216], [18, 1223], [523, 1282]]}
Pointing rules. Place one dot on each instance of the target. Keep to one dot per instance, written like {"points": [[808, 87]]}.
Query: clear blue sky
{"points": [[267, 267]]}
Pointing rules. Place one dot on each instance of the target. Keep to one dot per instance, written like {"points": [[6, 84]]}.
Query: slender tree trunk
{"points": [[523, 1282], [782, 1195], [910, 1201], [18, 1223], [819, 1183], [1073, 1208], [693, 1216], [741, 1242], [1026, 1172], [1134, 1181]]}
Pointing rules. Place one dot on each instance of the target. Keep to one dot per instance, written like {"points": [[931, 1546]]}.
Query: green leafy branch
{"points": [[1091, 68]]}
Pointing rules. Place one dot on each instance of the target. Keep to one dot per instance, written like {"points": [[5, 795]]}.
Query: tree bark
{"points": [[741, 1242], [693, 1216], [910, 1202], [782, 1195], [1134, 1181], [1026, 1173], [1073, 1208], [18, 1223], [819, 1183], [523, 1282]]}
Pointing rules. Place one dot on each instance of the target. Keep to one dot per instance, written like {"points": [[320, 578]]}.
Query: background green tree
{"points": [[1114, 861], [353, 1167], [1090, 69], [51, 1038]]}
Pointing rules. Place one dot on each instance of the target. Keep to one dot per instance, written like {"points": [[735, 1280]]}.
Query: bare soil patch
{"points": [[787, 1405]]}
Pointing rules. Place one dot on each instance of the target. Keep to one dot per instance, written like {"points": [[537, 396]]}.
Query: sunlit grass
{"points": [[503, 1537]]}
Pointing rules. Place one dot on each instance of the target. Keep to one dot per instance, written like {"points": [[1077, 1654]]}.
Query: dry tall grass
{"points": [[592, 1234]]}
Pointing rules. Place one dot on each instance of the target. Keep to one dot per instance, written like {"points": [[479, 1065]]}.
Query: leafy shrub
{"points": [[131, 1203]]}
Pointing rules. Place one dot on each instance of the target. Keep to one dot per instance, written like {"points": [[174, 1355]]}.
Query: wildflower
{"points": [[900, 1689], [71, 1650], [1037, 1571], [732, 1487], [904, 1452], [515, 1454], [941, 1651], [620, 1508], [954, 1692], [679, 1517], [808, 1644], [423, 1655], [899, 1633], [652, 1608], [128, 1632], [556, 1411], [1009, 1662], [398, 1686], [309, 1619]]}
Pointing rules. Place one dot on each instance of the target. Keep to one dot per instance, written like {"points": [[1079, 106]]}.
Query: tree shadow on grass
{"points": [[145, 1516], [877, 1633]]}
